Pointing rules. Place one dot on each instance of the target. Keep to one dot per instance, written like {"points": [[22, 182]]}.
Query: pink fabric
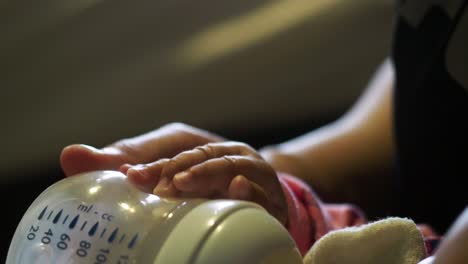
{"points": [[344, 215], [310, 218], [299, 222]]}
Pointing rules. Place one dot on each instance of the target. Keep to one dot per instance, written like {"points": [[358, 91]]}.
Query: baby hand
{"points": [[215, 170]]}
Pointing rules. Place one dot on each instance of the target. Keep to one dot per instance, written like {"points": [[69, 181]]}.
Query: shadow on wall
{"points": [[96, 71]]}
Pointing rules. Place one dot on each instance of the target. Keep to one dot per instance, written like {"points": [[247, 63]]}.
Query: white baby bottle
{"points": [[99, 217]]}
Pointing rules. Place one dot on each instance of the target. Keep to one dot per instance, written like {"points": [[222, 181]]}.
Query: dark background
{"points": [[255, 71]]}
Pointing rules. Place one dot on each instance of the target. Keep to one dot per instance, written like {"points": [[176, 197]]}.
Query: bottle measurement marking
{"points": [[103, 232], [42, 213], [93, 229], [50, 214], [85, 208], [122, 238], [112, 236], [57, 217], [73, 222], [65, 220], [133, 241], [84, 224]]}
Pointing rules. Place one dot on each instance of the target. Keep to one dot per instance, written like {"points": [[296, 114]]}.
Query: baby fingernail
{"points": [[90, 148], [162, 185], [139, 167], [168, 191], [182, 176], [138, 171]]}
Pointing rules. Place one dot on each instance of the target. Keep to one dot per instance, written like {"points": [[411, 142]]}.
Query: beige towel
{"points": [[388, 241]]}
